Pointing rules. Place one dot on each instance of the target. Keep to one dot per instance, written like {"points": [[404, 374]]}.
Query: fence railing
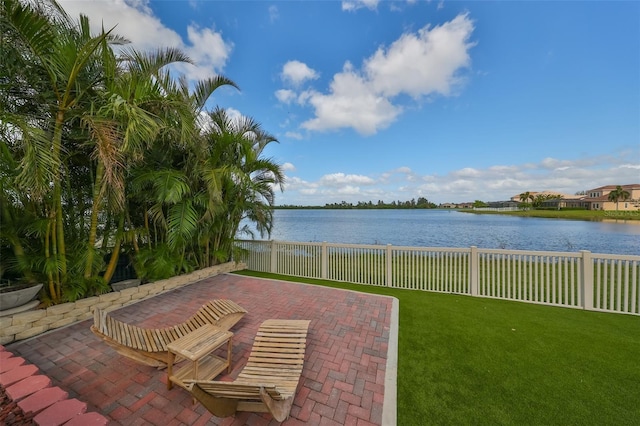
{"points": [[584, 280]]}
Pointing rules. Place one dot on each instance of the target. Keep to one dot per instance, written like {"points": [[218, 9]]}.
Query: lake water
{"points": [[444, 228]]}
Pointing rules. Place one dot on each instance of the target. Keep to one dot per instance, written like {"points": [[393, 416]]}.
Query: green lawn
{"points": [[597, 215], [465, 360]]}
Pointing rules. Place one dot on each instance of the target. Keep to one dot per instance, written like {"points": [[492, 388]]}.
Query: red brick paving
{"points": [[342, 382]]}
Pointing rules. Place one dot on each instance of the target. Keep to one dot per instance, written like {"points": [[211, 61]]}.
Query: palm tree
{"points": [[167, 191], [125, 124], [525, 196], [65, 72], [87, 112], [618, 194], [232, 165]]}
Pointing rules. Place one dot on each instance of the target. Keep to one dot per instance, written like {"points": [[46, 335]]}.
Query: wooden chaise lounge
{"points": [[268, 381], [149, 345]]}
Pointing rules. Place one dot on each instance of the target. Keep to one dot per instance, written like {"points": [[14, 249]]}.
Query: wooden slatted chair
{"points": [[268, 381], [149, 345]]}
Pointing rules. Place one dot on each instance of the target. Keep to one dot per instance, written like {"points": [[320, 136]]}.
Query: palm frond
{"points": [[182, 223], [38, 164], [32, 26], [205, 88], [150, 63]]}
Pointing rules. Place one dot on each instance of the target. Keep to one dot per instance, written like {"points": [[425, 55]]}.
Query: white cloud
{"points": [[134, 20], [285, 96], [204, 121], [493, 183], [341, 179], [630, 166], [504, 169], [422, 63], [467, 172], [288, 167], [419, 64], [273, 13], [208, 50], [348, 190], [352, 5], [351, 103], [294, 135], [552, 163], [297, 73]]}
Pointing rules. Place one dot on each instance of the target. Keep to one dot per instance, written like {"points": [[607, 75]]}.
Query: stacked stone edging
{"points": [[24, 325]]}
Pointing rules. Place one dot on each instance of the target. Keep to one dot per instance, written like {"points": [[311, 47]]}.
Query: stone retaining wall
{"points": [[23, 325]]}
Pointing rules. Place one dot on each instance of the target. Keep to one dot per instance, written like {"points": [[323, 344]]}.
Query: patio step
{"points": [[28, 386], [42, 399], [33, 394], [60, 412]]}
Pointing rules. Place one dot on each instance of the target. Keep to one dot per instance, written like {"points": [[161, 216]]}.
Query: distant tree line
{"points": [[420, 203]]}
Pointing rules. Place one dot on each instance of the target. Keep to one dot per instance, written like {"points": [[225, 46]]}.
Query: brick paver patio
{"points": [[350, 361]]}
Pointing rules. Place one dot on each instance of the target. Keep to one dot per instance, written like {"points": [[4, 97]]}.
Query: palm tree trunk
{"points": [[134, 239], [113, 262], [57, 197], [93, 229], [146, 227], [47, 254]]}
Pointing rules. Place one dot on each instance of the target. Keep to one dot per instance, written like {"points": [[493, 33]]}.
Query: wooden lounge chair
{"points": [[149, 345], [268, 381]]}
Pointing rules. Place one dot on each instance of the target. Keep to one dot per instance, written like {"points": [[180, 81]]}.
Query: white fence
{"points": [[497, 209], [585, 280]]}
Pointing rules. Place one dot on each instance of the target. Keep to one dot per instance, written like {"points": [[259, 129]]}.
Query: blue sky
{"points": [[393, 100]]}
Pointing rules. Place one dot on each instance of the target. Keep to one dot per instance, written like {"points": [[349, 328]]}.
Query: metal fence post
{"points": [[474, 262], [324, 261], [586, 284], [274, 257], [389, 257]]}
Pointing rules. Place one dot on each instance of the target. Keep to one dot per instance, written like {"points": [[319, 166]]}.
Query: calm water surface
{"points": [[442, 228]]}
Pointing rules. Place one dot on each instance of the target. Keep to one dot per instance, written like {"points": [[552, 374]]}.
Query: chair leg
{"points": [[279, 409], [219, 407]]}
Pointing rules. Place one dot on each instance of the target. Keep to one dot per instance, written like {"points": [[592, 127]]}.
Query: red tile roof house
{"points": [[598, 198]]}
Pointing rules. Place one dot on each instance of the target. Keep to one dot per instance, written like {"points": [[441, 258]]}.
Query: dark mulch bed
{"points": [[10, 413]]}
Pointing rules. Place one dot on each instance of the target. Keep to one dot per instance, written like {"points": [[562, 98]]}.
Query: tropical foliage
{"points": [[536, 200], [104, 153]]}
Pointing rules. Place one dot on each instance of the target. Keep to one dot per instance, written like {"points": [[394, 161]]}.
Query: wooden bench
{"points": [[149, 345], [268, 381]]}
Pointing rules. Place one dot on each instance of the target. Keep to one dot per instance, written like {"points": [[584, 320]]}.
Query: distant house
{"points": [[502, 204], [456, 206], [594, 199], [448, 206], [598, 198]]}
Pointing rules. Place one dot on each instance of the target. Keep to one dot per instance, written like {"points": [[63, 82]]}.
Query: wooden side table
{"points": [[197, 347]]}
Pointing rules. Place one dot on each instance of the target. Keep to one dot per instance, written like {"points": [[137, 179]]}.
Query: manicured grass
{"points": [[465, 360], [597, 215]]}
